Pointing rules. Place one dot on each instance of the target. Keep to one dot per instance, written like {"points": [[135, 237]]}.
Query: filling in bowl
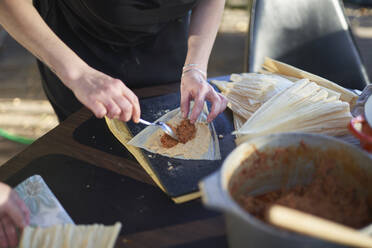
{"points": [[324, 182]]}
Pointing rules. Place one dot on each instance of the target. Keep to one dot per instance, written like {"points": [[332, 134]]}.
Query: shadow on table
{"points": [[219, 241]]}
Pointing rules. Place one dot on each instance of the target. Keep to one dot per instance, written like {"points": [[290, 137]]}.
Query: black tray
{"points": [[183, 178]]}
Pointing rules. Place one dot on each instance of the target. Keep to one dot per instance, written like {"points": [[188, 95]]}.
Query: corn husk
{"points": [[238, 121], [292, 79], [303, 107], [248, 91], [204, 146], [65, 236], [281, 68]]}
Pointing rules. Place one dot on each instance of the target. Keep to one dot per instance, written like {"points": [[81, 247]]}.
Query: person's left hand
{"points": [[13, 214], [195, 87]]}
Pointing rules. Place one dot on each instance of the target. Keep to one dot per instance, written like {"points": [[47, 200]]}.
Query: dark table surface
{"points": [[97, 186]]}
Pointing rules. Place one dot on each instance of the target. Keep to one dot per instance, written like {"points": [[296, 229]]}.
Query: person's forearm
{"points": [[23, 22], [205, 20], [102, 94]]}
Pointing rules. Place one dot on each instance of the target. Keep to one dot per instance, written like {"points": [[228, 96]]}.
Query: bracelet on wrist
{"points": [[204, 74], [189, 65]]}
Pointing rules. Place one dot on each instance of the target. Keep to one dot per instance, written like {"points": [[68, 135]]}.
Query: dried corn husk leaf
{"points": [[248, 91], [303, 107], [238, 121], [292, 79], [65, 236], [277, 67]]}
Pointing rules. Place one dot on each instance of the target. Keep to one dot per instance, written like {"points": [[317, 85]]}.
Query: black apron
{"points": [[141, 42]]}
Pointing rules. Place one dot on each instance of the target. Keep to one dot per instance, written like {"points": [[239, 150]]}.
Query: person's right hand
{"points": [[13, 214], [104, 95]]}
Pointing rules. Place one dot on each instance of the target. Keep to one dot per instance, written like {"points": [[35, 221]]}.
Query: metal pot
{"points": [[244, 230]]}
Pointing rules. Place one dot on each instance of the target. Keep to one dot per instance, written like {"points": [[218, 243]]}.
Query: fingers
{"points": [[185, 103], [10, 231], [110, 97], [15, 213], [129, 106], [22, 206], [3, 237], [112, 108], [224, 102], [133, 99], [219, 103], [215, 101], [126, 109], [99, 110], [204, 92], [198, 104], [102, 104], [104, 95]]}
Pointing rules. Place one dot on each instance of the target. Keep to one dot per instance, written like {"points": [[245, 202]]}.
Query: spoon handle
{"points": [[146, 122], [317, 227]]}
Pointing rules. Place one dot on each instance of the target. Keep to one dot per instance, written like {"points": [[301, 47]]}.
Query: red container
{"points": [[360, 128]]}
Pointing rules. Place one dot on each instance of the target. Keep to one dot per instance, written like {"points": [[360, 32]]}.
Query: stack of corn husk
{"points": [[278, 101], [291, 72], [303, 107], [246, 92], [69, 235]]}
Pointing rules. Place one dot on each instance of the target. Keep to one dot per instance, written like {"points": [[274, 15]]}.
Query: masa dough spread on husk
{"points": [[193, 149]]}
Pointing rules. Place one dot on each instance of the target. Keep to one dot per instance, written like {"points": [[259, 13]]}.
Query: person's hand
{"points": [[104, 95], [195, 87], [13, 214]]}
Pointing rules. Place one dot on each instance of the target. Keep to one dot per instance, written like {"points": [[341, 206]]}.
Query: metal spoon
{"points": [[162, 125]]}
